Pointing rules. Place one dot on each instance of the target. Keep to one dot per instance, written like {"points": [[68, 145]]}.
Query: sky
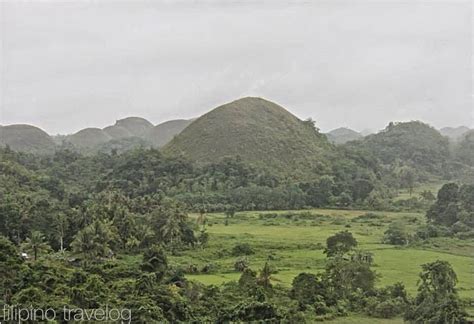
{"points": [[68, 65]]}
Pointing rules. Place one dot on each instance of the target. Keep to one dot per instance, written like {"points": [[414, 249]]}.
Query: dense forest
{"points": [[73, 215]]}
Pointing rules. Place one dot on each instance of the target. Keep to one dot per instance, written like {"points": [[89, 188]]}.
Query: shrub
{"points": [[241, 264], [396, 234], [385, 309], [242, 249]]}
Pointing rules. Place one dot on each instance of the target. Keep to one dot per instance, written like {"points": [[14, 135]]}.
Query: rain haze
{"points": [[360, 64]]}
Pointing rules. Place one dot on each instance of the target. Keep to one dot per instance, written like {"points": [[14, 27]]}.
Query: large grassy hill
{"points": [[260, 132], [26, 138]]}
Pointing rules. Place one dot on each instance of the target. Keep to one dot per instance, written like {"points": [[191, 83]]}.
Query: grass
{"points": [[293, 243], [433, 186]]}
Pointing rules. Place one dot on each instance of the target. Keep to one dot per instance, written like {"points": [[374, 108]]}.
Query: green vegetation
{"points": [[413, 144], [465, 149], [343, 135], [292, 229]]}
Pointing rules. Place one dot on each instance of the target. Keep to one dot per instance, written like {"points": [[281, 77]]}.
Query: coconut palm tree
{"points": [[36, 244]]}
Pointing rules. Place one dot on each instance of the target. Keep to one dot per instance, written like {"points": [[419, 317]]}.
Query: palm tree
{"points": [[201, 219], [265, 276], [36, 244], [171, 230], [60, 224], [144, 233]]}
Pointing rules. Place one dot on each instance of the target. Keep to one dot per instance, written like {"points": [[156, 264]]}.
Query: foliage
{"points": [[396, 234], [340, 243], [437, 300]]}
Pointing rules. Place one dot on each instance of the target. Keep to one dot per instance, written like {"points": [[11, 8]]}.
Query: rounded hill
{"points": [[414, 142], [26, 138], [88, 138], [260, 132], [137, 126]]}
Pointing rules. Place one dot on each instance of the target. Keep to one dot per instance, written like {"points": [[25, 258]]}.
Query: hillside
{"points": [[117, 132], [88, 139], [124, 135], [26, 138], [454, 133], [413, 143], [343, 135], [260, 132], [465, 149], [135, 125], [163, 133]]}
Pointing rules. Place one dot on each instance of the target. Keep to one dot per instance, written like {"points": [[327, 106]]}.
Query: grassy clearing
{"points": [[434, 187], [293, 242]]}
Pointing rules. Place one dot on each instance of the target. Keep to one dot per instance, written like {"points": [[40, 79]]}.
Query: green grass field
{"points": [[295, 244], [433, 186]]}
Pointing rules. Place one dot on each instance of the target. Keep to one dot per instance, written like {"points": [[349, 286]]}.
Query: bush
{"points": [[465, 235], [428, 231], [242, 249], [396, 234], [241, 264], [385, 309]]}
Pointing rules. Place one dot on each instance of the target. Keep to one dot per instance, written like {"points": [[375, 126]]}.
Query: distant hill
{"points": [[343, 135], [88, 139], [454, 133], [163, 133], [26, 138], [117, 132], [413, 143], [137, 126], [260, 132], [124, 135], [465, 149]]}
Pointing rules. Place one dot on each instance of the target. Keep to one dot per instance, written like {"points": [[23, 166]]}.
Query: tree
{"points": [[94, 241], [446, 209], [362, 189], [10, 265], [241, 264], [407, 177], [437, 300], [60, 223], [396, 234], [36, 244], [428, 196], [230, 211], [265, 276], [345, 277], [155, 260], [169, 221], [306, 288], [340, 244]]}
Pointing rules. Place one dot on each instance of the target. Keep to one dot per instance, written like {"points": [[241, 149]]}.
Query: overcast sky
{"points": [[71, 65]]}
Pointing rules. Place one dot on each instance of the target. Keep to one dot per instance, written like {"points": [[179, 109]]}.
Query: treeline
{"points": [[63, 194]]}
